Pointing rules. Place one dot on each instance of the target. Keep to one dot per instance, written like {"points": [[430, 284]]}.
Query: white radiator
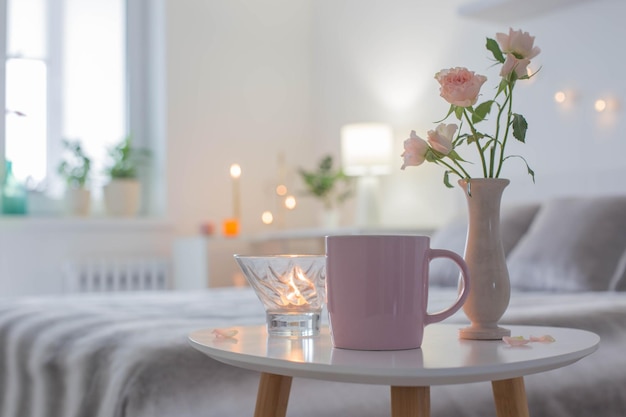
{"points": [[117, 275]]}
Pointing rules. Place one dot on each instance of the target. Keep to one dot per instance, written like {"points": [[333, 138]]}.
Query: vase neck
{"points": [[483, 185]]}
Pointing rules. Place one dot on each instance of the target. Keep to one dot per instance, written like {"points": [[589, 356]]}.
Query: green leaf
{"points": [[450, 110], [458, 111], [526, 76], [455, 156], [519, 127], [76, 165], [475, 137], [327, 183], [446, 179], [460, 139], [530, 171], [490, 142], [493, 46], [126, 159], [431, 155], [481, 111], [502, 86]]}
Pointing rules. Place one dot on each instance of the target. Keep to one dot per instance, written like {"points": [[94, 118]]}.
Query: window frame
{"points": [[145, 91], [3, 53]]}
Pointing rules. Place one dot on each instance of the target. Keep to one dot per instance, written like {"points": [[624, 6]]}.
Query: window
{"points": [[26, 115], [73, 71], [26, 88]]}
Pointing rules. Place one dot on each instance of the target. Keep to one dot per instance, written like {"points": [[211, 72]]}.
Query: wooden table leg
{"points": [[410, 401], [510, 397], [273, 395]]}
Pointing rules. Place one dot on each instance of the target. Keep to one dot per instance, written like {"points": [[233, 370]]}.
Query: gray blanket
{"points": [[128, 356]]}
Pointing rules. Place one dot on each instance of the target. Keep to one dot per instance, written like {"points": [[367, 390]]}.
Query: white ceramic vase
{"points": [[490, 288]]}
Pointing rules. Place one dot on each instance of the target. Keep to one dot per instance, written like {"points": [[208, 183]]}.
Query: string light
{"points": [[560, 97], [267, 217], [290, 202], [281, 190]]}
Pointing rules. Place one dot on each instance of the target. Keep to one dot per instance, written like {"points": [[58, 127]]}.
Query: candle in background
{"points": [[230, 227], [235, 173]]}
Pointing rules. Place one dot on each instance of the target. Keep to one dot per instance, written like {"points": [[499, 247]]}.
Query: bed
{"points": [[128, 355]]}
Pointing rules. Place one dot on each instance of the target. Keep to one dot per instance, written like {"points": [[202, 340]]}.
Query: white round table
{"points": [[443, 359]]}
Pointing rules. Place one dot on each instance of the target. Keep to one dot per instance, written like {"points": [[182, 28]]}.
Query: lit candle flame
{"points": [[297, 283], [235, 171]]}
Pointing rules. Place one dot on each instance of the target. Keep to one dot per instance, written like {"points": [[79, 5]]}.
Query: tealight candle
{"points": [[291, 288]]}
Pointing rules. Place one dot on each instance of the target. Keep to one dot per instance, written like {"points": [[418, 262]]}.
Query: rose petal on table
{"points": [[546, 338], [515, 340], [225, 333]]}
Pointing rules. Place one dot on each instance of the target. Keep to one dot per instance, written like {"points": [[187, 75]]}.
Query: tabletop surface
{"points": [[443, 358]]}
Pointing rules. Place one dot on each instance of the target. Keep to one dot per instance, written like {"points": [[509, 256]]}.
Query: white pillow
{"points": [[574, 244], [618, 282]]}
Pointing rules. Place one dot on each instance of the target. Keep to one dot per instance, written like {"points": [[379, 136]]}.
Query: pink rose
{"points": [[520, 66], [519, 49], [414, 151], [459, 86], [440, 139]]}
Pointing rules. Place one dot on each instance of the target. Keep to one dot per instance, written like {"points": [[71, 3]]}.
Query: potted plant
{"points": [[75, 169], [122, 194], [331, 186]]}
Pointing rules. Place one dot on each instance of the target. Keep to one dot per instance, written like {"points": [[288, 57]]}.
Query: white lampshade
{"points": [[366, 149]]}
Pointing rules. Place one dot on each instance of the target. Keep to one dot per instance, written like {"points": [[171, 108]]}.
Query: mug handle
{"points": [[444, 314]]}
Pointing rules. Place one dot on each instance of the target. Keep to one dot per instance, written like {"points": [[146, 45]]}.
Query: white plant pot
{"points": [[78, 201], [329, 218], [122, 197]]}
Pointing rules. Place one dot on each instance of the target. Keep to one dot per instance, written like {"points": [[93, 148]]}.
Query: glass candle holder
{"points": [[292, 289]]}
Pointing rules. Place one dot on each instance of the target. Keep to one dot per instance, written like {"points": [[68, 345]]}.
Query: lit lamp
{"points": [[366, 151]]}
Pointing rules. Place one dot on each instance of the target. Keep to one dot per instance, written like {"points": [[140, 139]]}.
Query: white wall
{"points": [[239, 91], [575, 149], [375, 61], [250, 79]]}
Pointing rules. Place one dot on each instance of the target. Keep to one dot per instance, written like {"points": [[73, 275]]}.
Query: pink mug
{"points": [[377, 290]]}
